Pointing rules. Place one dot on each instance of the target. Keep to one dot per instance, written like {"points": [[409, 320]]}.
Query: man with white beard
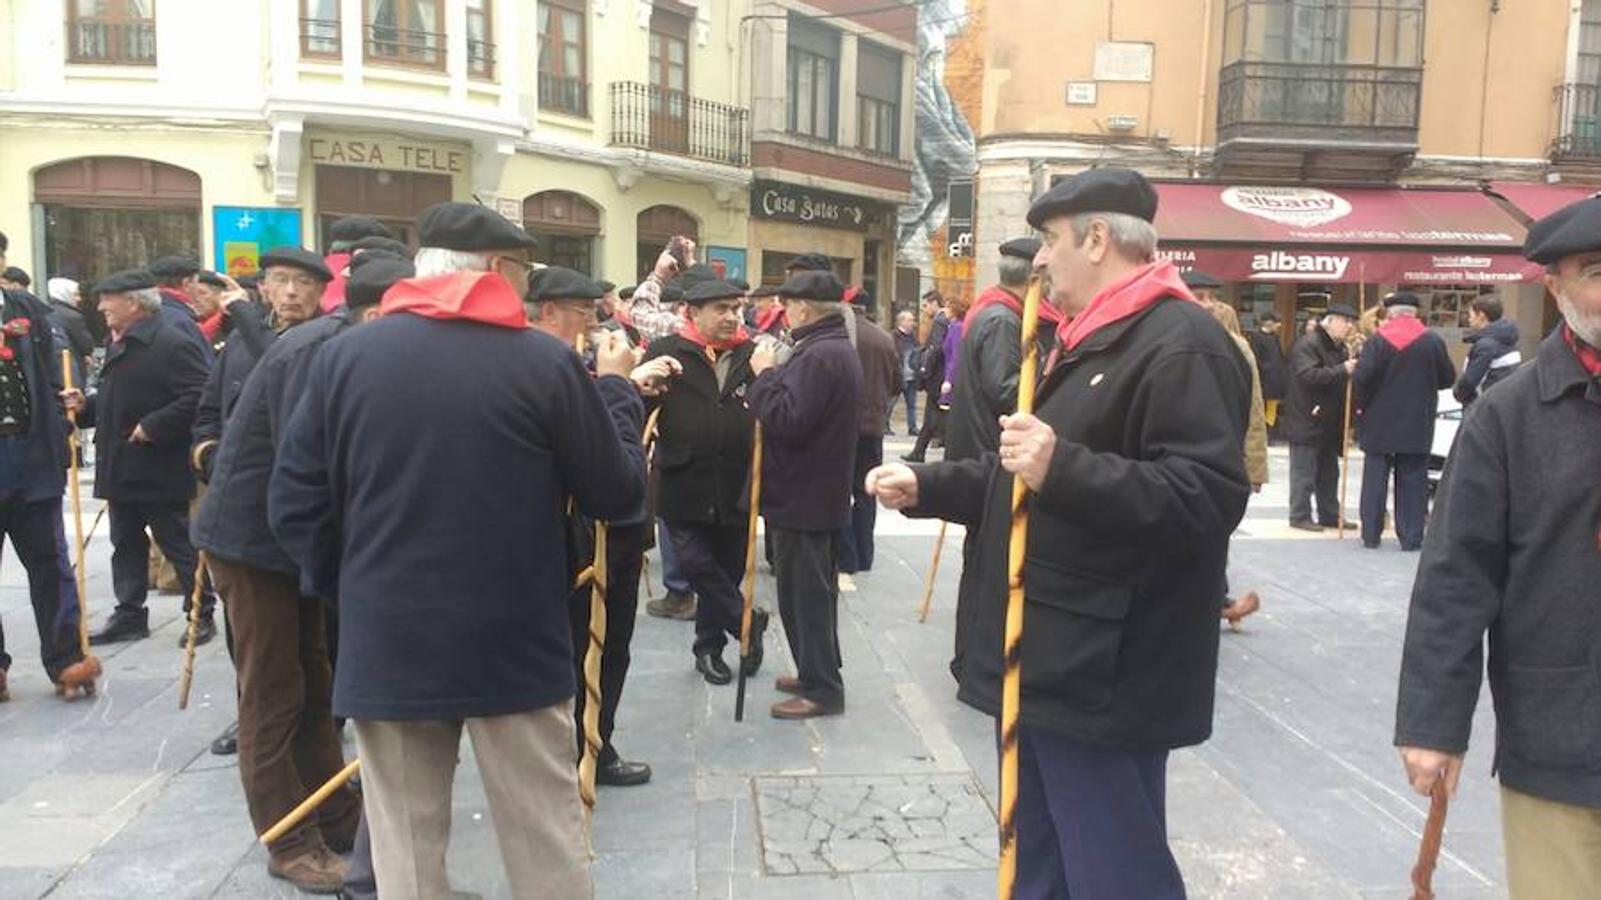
{"points": [[1514, 549]]}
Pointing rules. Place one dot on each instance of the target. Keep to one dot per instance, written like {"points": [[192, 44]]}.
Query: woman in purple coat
{"points": [[934, 425]]}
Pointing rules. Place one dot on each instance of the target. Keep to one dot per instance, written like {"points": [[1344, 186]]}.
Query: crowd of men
{"points": [[394, 469]]}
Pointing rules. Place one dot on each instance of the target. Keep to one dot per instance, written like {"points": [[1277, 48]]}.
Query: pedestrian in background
{"points": [[939, 374], [905, 335], [1271, 367], [1314, 417], [881, 381], [1492, 349]]}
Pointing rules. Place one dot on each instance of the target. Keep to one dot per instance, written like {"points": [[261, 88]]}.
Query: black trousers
{"points": [[36, 534], [933, 427], [805, 565], [712, 558], [1315, 470], [130, 553], [1411, 496], [625, 549], [856, 539]]}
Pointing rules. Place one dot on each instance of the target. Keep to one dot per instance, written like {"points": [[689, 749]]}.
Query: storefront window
{"points": [[576, 253], [1448, 307], [88, 244], [774, 261], [1255, 299]]}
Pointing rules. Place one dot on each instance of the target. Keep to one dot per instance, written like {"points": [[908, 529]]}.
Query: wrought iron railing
{"points": [[481, 59], [320, 38], [559, 93], [405, 46], [118, 42], [1346, 100], [654, 118], [1579, 118]]}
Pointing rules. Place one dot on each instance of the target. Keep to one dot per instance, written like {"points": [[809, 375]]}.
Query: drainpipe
{"points": [[1200, 93]]}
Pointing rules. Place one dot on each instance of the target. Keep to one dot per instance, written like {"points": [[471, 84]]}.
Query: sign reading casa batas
{"points": [[808, 206]]}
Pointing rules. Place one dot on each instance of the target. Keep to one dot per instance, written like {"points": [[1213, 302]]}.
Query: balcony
{"points": [[560, 94], [1579, 112], [405, 47], [1317, 121], [648, 117], [111, 42], [319, 38]]}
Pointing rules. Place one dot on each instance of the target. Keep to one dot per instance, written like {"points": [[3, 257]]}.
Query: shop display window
{"points": [[88, 244]]}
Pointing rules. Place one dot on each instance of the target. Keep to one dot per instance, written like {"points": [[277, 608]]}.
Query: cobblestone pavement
{"points": [[1298, 794]]}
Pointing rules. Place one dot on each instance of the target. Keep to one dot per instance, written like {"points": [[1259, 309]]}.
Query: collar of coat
{"points": [[144, 331], [1558, 370], [833, 323]]}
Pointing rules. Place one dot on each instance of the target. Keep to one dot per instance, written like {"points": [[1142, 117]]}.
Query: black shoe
{"points": [[752, 664], [205, 630], [621, 773], [1305, 525], [122, 627], [227, 743], [713, 669], [911, 458], [1370, 545]]}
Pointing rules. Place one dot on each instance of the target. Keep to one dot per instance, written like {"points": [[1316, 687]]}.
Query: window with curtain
{"points": [[480, 39], [406, 32], [319, 28], [878, 100], [813, 79], [563, 86], [112, 32]]}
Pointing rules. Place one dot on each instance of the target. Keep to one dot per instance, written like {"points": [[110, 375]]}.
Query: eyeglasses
{"points": [[281, 278]]}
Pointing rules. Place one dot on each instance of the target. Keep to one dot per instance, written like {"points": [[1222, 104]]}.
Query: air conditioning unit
{"points": [[1122, 123]]}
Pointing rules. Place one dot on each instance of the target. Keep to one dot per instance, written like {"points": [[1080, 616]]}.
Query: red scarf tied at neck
{"points": [[690, 333], [995, 294], [1589, 356], [1126, 297]]}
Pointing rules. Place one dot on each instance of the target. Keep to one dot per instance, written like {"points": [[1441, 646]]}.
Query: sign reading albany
{"points": [[808, 206]]}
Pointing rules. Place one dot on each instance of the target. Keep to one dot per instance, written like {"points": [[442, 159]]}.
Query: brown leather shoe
{"points": [[802, 708], [789, 684], [673, 606], [316, 871], [5, 692], [1240, 608]]}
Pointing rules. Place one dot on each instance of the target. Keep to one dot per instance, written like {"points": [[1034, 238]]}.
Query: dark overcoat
{"points": [[151, 378]]}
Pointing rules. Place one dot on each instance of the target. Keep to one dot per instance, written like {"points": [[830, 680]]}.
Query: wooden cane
{"points": [[748, 587], [310, 804], [1345, 425], [933, 569], [597, 646], [188, 676], [647, 441], [77, 519], [1429, 848], [1012, 683]]}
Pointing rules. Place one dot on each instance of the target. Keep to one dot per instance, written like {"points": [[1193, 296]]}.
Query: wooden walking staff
{"points": [[597, 645], [1012, 683], [1345, 426], [748, 587], [77, 524], [188, 676], [1429, 848], [933, 569], [310, 804]]}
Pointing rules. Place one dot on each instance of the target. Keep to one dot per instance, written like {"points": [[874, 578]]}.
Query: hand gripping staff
{"points": [[749, 584], [1012, 682], [87, 687]]}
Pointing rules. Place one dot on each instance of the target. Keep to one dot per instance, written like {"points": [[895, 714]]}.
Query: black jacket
{"points": [[808, 410], [881, 372], [1127, 540], [1270, 364], [82, 343], [247, 342], [1490, 343], [1511, 550], [703, 437], [232, 521], [1398, 392], [151, 378], [180, 315], [990, 357], [43, 456], [423, 481], [931, 359], [1314, 404]]}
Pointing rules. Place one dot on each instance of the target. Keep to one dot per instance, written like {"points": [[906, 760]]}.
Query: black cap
{"points": [[1341, 309], [367, 285], [124, 281], [354, 228], [250, 282], [297, 258], [379, 242], [1196, 279], [707, 291], [1402, 298], [626, 293], [1022, 248], [1109, 190], [813, 285], [672, 292], [557, 283], [367, 257], [12, 273], [606, 286], [178, 265], [764, 290], [1269, 316], [1575, 228], [740, 283], [211, 278], [469, 227], [810, 262]]}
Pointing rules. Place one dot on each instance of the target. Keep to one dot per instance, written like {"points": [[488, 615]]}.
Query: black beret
{"points": [[1109, 190], [672, 292], [213, 279], [1340, 309], [469, 227], [707, 291], [606, 286], [764, 290], [1195, 278], [12, 273], [813, 285], [1402, 298], [1575, 228], [366, 286], [249, 282], [626, 293], [1269, 316], [740, 283], [175, 266], [124, 281], [557, 283], [379, 242], [700, 273], [1022, 248], [354, 228], [810, 262], [368, 257], [297, 258]]}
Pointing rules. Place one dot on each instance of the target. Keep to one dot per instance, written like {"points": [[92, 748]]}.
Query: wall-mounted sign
{"points": [[386, 153], [727, 262], [243, 233], [809, 206], [1124, 60], [1081, 93]]}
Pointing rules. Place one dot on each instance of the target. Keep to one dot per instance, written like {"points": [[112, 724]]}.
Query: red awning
{"points": [[1540, 200], [1341, 235]]}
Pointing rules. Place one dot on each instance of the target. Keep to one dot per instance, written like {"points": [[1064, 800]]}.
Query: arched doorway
{"points": [[106, 213], [567, 226], [656, 226]]}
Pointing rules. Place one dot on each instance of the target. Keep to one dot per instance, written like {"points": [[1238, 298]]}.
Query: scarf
{"points": [[1401, 331], [211, 326], [1589, 357], [476, 296], [995, 294], [689, 332], [770, 319], [1129, 296]]}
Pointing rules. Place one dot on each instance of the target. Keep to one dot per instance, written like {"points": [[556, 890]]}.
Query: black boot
{"points": [[713, 669], [752, 663], [205, 630], [124, 625], [227, 743]]}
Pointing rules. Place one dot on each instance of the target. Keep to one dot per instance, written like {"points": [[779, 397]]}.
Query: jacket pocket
{"points": [[675, 457], [1551, 717], [1072, 631]]}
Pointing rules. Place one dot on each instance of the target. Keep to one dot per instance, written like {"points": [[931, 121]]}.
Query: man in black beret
{"points": [[808, 262], [1397, 384], [14, 279], [1314, 416], [1512, 552], [379, 243], [809, 410], [347, 230], [1132, 457], [1271, 365], [175, 279]]}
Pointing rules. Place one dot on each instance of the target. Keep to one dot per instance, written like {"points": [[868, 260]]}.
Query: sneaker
{"points": [[673, 606], [316, 871]]}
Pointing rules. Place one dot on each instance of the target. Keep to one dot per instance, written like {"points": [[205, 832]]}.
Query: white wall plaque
{"points": [[1124, 60]]}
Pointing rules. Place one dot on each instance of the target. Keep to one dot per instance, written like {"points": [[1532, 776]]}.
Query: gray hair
{"points": [[431, 261], [1131, 236], [1014, 270], [149, 299]]}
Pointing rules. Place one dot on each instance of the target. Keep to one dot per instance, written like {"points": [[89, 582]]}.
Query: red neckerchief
{"points": [[690, 333], [1131, 295], [1401, 331], [333, 296], [478, 296], [995, 294], [1589, 357], [211, 325], [769, 317]]}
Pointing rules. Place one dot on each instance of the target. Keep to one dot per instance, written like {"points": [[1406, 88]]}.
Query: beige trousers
{"points": [[527, 761], [1553, 850]]}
